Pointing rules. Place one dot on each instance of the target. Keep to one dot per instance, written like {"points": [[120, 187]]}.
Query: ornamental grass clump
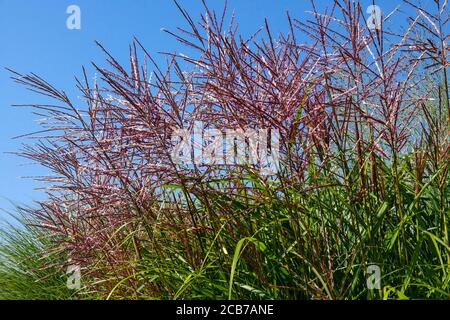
{"points": [[362, 118]]}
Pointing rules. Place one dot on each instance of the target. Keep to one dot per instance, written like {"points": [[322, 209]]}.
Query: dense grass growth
{"points": [[27, 270], [363, 177]]}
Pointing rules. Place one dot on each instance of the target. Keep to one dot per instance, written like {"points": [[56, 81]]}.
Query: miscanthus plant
{"points": [[362, 181]]}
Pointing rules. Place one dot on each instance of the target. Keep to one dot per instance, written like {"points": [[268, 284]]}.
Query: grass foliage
{"points": [[363, 178]]}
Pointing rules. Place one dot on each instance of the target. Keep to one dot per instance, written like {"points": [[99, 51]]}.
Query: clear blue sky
{"points": [[34, 37]]}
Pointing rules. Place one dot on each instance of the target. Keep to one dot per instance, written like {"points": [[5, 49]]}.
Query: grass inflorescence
{"points": [[362, 182]]}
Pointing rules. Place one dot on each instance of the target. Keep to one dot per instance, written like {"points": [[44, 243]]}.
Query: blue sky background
{"points": [[34, 38]]}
